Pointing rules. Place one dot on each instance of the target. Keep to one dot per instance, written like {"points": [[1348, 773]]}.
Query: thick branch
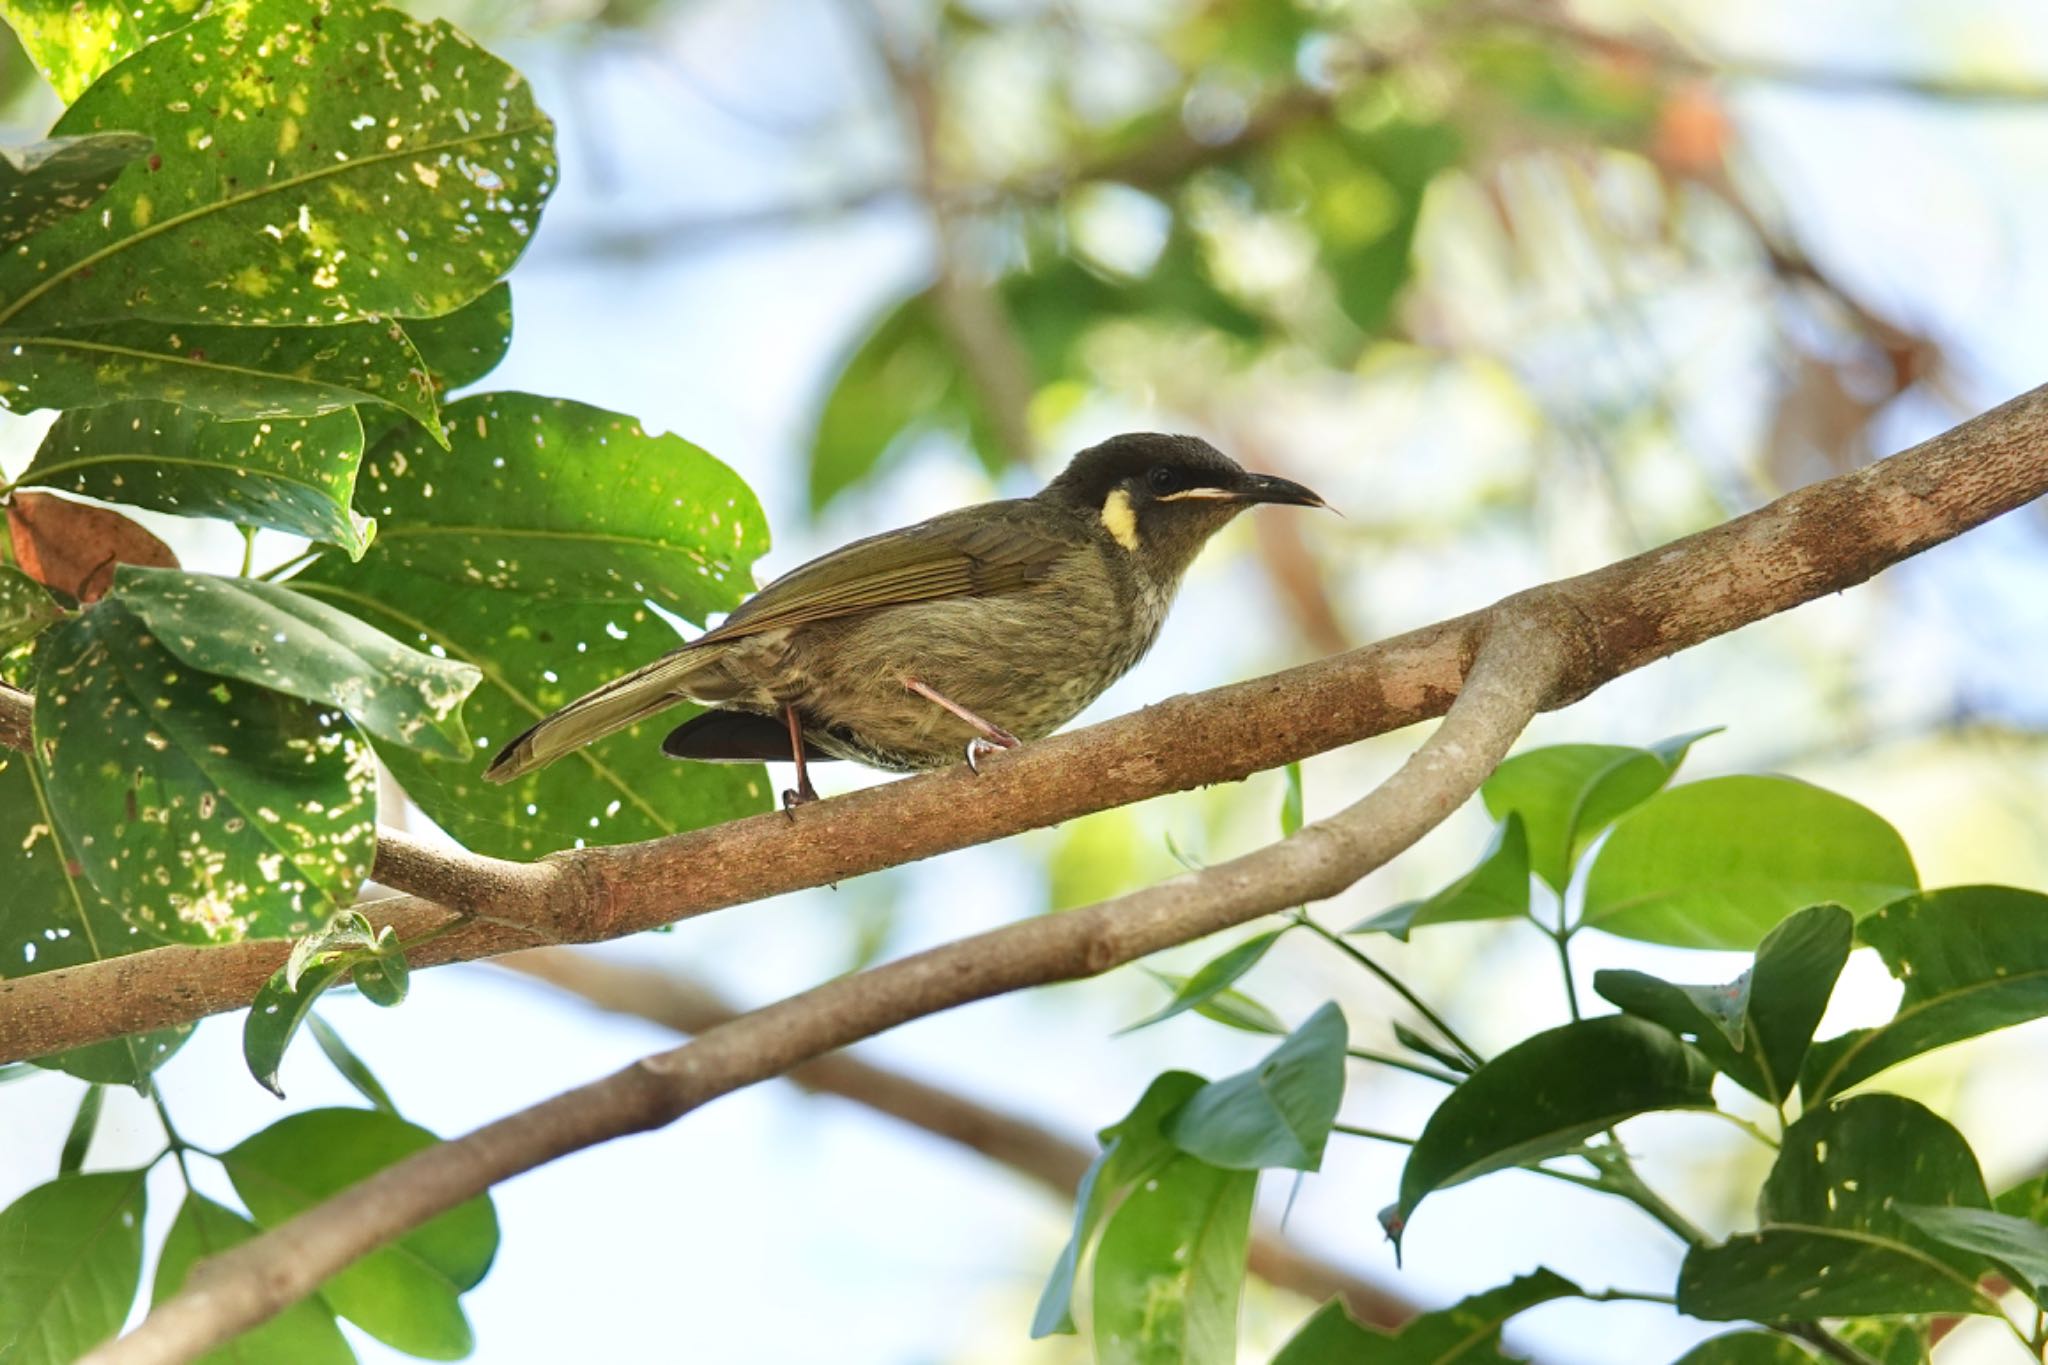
{"points": [[1029, 1148], [1818, 540], [1517, 668]]}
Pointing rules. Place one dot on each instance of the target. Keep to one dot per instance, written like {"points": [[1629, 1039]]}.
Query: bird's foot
{"points": [[801, 795], [980, 746]]}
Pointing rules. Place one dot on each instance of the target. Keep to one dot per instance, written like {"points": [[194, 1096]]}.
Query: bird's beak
{"points": [[1271, 488]]}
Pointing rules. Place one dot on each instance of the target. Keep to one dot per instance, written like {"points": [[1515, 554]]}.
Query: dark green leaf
{"points": [[73, 41], [1973, 959], [278, 1010], [352, 1068], [405, 1295], [1832, 1241], [2028, 1199], [1566, 794], [1548, 1093], [51, 917], [1415, 1042], [1291, 802], [1132, 1149], [1716, 864], [1171, 1266], [317, 182], [84, 1124], [73, 1262], [217, 811], [2019, 1246], [290, 642], [291, 474], [1276, 1114], [1466, 1333], [1757, 1028], [1496, 888], [1212, 979], [384, 978], [1748, 1348], [304, 1334], [462, 347], [44, 181], [26, 607]]}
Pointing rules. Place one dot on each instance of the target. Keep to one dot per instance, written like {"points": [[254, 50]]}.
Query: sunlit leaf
{"points": [[73, 1263], [216, 810], [1170, 1267], [291, 474], [44, 181], [303, 1334], [1716, 864], [1466, 1333], [462, 347], [297, 644], [407, 1294], [1497, 887], [25, 608], [1276, 1114], [73, 547], [1212, 978], [1291, 801], [73, 41]]}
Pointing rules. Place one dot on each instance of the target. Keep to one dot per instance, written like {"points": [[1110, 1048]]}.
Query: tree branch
{"points": [[1821, 539], [1521, 659], [689, 1007]]}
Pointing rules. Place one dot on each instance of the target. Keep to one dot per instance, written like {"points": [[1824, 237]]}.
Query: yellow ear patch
{"points": [[1120, 519]]}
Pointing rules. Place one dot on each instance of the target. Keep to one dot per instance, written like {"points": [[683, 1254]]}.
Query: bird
{"points": [[965, 634]]}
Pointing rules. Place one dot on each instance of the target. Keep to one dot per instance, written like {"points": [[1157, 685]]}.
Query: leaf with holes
{"points": [[303, 1334], [205, 810], [295, 643], [1497, 887], [231, 373], [73, 547], [1566, 794], [74, 1259], [51, 917], [293, 474], [462, 347], [285, 1002], [1756, 1029], [1973, 959], [1276, 1114], [45, 181], [314, 164], [1547, 1094], [406, 1295], [1833, 1242], [1466, 1333], [1170, 1267], [1212, 979], [1715, 864], [26, 609], [73, 41]]}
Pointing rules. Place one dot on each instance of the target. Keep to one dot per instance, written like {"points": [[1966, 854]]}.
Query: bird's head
{"points": [[1162, 497]]}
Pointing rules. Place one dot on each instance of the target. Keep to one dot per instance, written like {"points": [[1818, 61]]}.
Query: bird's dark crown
{"points": [[1144, 460]]}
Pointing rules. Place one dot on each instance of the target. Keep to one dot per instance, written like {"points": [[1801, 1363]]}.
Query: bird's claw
{"points": [[792, 797], [994, 743]]}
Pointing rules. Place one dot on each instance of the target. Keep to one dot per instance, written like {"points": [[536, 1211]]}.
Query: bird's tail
{"points": [[612, 707]]}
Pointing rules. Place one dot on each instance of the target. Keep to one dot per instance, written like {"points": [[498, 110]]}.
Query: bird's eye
{"points": [[1162, 478]]}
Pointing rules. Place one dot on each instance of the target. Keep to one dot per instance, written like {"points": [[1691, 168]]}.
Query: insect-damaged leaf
{"points": [[73, 547], [292, 474], [205, 810], [73, 41], [44, 181], [290, 642], [1171, 1267], [316, 162], [25, 608]]}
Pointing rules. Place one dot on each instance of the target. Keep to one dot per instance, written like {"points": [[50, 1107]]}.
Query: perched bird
{"points": [[965, 633]]}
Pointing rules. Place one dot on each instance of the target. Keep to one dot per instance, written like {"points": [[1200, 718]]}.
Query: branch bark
{"points": [[1024, 1146], [1821, 539]]}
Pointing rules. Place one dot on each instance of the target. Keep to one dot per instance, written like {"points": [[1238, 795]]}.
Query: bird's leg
{"points": [[803, 793], [991, 736]]}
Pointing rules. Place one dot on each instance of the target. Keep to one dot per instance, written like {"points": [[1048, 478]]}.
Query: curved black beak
{"points": [[1272, 488]]}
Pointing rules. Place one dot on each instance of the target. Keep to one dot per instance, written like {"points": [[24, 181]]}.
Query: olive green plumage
{"points": [[1018, 612]]}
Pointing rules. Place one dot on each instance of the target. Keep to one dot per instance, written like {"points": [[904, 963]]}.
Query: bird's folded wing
{"points": [[954, 555]]}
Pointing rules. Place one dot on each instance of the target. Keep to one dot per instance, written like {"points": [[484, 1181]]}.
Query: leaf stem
{"points": [[1627, 1296], [1434, 1073], [1375, 1134], [1822, 1340], [1744, 1124], [1618, 1176], [277, 571], [1398, 986], [248, 550]]}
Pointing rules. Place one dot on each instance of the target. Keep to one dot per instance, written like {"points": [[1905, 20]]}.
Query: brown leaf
{"points": [[73, 547]]}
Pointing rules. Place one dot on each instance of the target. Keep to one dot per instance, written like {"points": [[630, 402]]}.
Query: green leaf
{"points": [[1716, 864], [1276, 1114], [1291, 802], [303, 1334], [291, 474], [1973, 959], [304, 174], [290, 642], [274, 1016], [1466, 1333], [1889, 1341], [73, 41], [1171, 1267], [1748, 1348], [384, 978], [217, 811], [353, 1069], [1757, 1028], [1566, 794], [2019, 1246], [230, 373], [1833, 1242], [1416, 1043], [405, 1295], [902, 380], [52, 917], [1548, 1093], [45, 181], [73, 1262], [1132, 1149], [1212, 979], [26, 607], [462, 347], [84, 1124], [2028, 1199], [1496, 888]]}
